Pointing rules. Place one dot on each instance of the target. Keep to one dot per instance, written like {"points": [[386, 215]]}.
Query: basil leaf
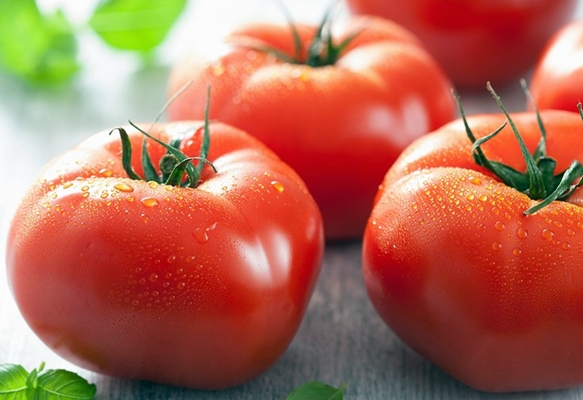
{"points": [[135, 24], [40, 49], [59, 384], [317, 391], [13, 382]]}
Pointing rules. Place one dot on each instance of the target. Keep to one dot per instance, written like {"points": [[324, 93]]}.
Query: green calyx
{"points": [[539, 181], [322, 50], [176, 168]]}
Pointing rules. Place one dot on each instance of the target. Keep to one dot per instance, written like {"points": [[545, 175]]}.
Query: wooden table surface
{"points": [[341, 339]]}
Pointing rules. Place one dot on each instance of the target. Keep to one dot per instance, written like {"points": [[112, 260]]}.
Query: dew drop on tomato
{"points": [[123, 187], [278, 186], [548, 234], [149, 201]]}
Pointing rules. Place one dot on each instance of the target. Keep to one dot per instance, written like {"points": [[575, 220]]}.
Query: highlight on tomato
{"points": [[558, 75], [476, 41], [338, 105], [190, 262], [472, 254]]}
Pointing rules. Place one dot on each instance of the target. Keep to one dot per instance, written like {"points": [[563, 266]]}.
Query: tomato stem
{"points": [[539, 181], [174, 165], [322, 50]]}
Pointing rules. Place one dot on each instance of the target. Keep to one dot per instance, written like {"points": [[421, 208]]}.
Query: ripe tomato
{"points": [[203, 288], [339, 123], [558, 76], [476, 41], [461, 275]]}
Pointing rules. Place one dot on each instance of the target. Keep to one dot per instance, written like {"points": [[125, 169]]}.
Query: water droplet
{"points": [[85, 194], [566, 246], [499, 225], [277, 186], [153, 185], [171, 259], [496, 246], [475, 181], [149, 201], [84, 188], [106, 172], [123, 187], [483, 197], [218, 69], [181, 285], [570, 232], [67, 185], [202, 235], [153, 278], [144, 218], [470, 197], [516, 251], [190, 258], [522, 233], [547, 234], [104, 195]]}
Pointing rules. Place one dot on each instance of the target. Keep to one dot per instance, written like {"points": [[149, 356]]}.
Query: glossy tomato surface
{"points": [[557, 81], [340, 126], [199, 287], [461, 275], [476, 41]]}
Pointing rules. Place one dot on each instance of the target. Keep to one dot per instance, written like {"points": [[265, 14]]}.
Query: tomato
{"points": [[458, 271], [476, 41], [199, 287], [558, 75], [339, 123]]}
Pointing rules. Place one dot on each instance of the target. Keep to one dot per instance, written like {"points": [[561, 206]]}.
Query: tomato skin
{"points": [[202, 288], [340, 126], [463, 277], [558, 74], [476, 41]]}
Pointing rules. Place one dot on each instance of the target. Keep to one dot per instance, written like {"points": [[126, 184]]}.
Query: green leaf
{"points": [[135, 24], [59, 384], [12, 382], [317, 391], [40, 49]]}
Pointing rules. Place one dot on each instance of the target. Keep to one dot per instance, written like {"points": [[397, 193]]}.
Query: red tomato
{"points": [[340, 126], [203, 288], [461, 275], [476, 41], [558, 76]]}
